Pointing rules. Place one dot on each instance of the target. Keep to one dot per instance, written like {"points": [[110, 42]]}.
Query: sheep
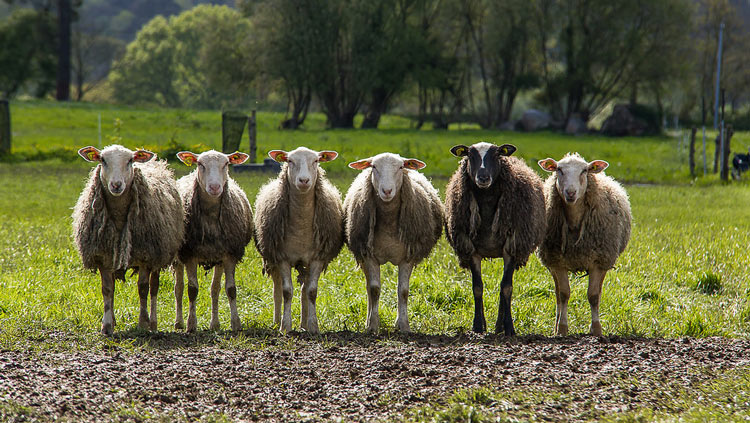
{"points": [[588, 227], [392, 214], [298, 223], [129, 216], [218, 226], [494, 207]]}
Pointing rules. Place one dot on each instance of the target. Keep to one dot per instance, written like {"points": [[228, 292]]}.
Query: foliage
{"points": [[194, 59], [27, 53]]}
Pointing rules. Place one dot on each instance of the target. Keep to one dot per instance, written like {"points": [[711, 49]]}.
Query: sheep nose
{"points": [[116, 185], [483, 178], [387, 192], [214, 187], [304, 181]]}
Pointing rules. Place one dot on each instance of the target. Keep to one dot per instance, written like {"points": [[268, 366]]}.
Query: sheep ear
{"points": [[142, 156], [360, 164], [278, 155], [90, 154], [237, 157], [597, 166], [507, 149], [548, 164], [414, 164], [460, 150], [187, 157], [327, 156]]}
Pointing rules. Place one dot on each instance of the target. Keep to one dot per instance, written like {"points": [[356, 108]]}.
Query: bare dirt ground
{"points": [[354, 377]]}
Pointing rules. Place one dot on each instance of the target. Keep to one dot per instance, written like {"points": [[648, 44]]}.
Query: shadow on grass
{"points": [[264, 338]]}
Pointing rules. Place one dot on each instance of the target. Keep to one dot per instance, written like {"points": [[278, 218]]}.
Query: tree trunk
{"points": [[63, 58]]}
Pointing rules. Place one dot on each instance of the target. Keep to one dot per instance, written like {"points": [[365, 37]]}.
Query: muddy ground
{"points": [[354, 377]]}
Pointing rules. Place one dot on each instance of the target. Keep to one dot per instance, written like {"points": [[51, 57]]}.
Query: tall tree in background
{"points": [[27, 57], [64, 15]]}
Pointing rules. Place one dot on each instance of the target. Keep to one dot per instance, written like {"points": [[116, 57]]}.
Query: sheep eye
{"points": [[200, 165], [560, 171], [104, 162]]}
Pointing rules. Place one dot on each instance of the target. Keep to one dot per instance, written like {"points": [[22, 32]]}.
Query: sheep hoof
{"points": [[562, 330], [596, 329], [236, 325], [106, 329], [215, 325], [143, 323], [191, 326], [403, 327], [179, 325], [507, 330], [153, 325]]}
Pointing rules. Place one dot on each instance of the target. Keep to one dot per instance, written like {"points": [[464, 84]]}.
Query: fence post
{"points": [[251, 132], [691, 152], [232, 127], [4, 127]]}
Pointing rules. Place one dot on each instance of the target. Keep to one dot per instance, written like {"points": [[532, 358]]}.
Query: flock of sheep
{"points": [[132, 214]]}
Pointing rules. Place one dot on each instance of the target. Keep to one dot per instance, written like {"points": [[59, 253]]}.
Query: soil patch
{"points": [[351, 377]]}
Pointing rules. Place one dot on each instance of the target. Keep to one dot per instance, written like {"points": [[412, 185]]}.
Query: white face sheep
{"points": [[128, 216], [494, 207], [298, 223], [219, 224], [588, 227], [393, 214]]}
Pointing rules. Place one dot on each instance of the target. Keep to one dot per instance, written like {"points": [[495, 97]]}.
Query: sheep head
{"points": [[572, 175], [116, 161], [213, 168], [483, 160], [302, 165], [387, 172]]}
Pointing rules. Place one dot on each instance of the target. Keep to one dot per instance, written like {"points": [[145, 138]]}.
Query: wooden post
{"points": [[4, 127], [251, 128], [691, 152], [728, 132]]}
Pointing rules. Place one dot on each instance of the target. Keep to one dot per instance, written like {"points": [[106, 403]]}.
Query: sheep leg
{"points": [[179, 287], [372, 275], [562, 292], [311, 293], [191, 268], [480, 324], [402, 316], [504, 318], [154, 291], [231, 290], [143, 281], [276, 277], [287, 291], [596, 280], [108, 295], [303, 276], [215, 289]]}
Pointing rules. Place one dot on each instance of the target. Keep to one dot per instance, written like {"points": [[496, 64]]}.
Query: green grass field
{"points": [[684, 272]]}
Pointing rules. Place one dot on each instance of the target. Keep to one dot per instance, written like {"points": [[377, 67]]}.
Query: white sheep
{"points": [[218, 226], [129, 216], [298, 223], [393, 214], [588, 227]]}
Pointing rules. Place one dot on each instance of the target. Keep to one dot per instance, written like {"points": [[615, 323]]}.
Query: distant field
{"points": [[44, 130]]}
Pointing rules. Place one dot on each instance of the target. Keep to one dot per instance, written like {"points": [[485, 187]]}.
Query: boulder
{"points": [[630, 120], [508, 126], [575, 125], [535, 120]]}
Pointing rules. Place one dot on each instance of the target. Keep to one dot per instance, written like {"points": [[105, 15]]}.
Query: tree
{"points": [[91, 57], [194, 59], [64, 12], [27, 58], [594, 50]]}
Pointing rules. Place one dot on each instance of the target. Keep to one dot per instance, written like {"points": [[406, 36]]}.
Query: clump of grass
{"points": [[709, 283]]}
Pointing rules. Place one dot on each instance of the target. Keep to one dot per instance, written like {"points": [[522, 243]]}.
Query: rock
{"points": [[535, 120], [508, 126], [630, 120], [575, 125]]}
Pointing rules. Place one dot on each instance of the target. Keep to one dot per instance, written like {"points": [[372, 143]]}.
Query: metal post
{"points": [[718, 76]]}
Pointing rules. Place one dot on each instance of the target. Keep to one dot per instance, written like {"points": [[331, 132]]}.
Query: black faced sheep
{"points": [[393, 214], [129, 215], [494, 207], [588, 227], [298, 223], [218, 226]]}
